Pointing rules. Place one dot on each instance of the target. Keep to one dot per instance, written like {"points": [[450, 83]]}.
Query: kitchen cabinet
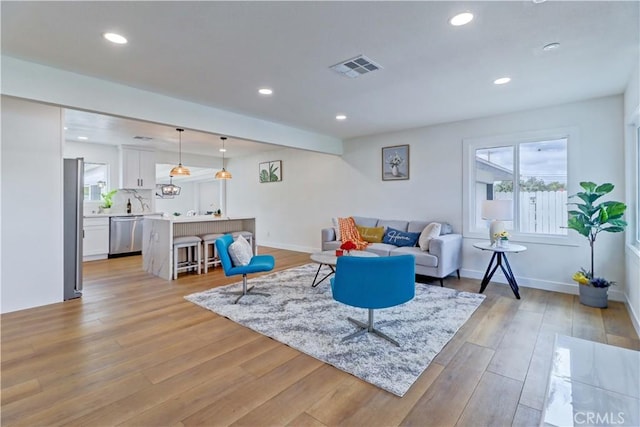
{"points": [[138, 169], [95, 244]]}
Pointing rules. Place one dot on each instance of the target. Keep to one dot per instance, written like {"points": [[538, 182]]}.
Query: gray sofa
{"points": [[443, 257]]}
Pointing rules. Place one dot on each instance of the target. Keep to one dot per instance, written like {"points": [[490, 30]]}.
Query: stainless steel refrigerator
{"points": [[73, 190]]}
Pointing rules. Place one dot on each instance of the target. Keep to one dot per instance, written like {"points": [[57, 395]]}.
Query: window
{"points": [[96, 180], [531, 172]]}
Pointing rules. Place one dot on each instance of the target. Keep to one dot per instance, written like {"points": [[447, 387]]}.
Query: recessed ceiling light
{"points": [[539, 1], [65, 128], [551, 46], [82, 138], [461, 19], [502, 80], [223, 150], [341, 117], [115, 38], [265, 91]]}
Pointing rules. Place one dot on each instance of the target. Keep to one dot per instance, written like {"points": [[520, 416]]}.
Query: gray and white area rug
{"points": [[311, 321]]}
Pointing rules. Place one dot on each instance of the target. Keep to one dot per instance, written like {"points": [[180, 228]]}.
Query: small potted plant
{"points": [[217, 213], [589, 220], [502, 239], [107, 201]]}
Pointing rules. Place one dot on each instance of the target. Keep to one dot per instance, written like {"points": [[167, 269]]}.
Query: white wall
{"points": [[316, 187], [632, 251], [31, 205]]}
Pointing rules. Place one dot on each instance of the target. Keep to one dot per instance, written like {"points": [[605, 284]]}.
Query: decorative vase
{"points": [[339, 252], [106, 210], [394, 170], [593, 297], [503, 243]]}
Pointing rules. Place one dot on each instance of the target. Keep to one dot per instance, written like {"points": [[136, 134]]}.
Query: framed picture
{"points": [[270, 171], [395, 162]]}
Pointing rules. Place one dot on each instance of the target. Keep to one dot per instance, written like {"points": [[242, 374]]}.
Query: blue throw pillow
{"points": [[400, 238]]}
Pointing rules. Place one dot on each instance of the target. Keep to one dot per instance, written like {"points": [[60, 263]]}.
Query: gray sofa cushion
{"points": [[392, 223], [381, 249], [418, 226], [365, 222], [422, 258]]}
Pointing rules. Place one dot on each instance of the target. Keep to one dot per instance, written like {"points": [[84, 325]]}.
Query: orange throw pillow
{"points": [[349, 232]]}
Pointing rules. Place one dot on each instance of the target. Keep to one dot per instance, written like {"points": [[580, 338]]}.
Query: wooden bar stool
{"points": [[191, 244], [213, 259]]}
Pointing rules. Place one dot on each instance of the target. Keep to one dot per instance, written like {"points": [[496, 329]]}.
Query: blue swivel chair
{"points": [[373, 282], [258, 263]]}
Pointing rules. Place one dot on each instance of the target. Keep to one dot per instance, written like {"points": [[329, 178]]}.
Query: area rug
{"points": [[311, 321]]}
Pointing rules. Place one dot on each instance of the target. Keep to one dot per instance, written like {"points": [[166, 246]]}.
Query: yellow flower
{"points": [[581, 278], [501, 235]]}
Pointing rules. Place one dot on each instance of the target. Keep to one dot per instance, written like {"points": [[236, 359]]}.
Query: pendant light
{"points": [[180, 170], [170, 189], [223, 174]]}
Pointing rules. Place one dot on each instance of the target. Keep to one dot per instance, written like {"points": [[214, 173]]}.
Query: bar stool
{"points": [[190, 243], [246, 234], [209, 240]]}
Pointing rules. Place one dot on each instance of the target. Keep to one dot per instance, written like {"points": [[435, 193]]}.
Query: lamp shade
{"points": [[497, 209], [223, 174]]}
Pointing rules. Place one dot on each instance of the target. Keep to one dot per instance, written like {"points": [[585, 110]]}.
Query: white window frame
{"points": [[470, 145], [632, 153]]}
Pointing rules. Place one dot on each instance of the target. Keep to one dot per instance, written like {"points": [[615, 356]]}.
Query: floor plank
{"points": [[133, 352]]}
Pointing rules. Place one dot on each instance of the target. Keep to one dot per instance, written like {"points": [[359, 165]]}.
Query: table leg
{"points": [[511, 278], [487, 276], [314, 284]]}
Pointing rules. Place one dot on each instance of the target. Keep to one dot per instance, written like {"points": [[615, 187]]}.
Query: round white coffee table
{"points": [[330, 259]]}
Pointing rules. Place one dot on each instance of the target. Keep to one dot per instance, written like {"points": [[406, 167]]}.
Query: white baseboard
{"points": [[524, 282]]}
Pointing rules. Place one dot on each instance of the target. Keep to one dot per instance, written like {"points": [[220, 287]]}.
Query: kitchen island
{"points": [[158, 234]]}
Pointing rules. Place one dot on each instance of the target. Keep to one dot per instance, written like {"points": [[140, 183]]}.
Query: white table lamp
{"points": [[497, 211]]}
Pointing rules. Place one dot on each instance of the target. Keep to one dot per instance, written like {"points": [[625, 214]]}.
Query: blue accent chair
{"points": [[373, 282], [258, 263]]}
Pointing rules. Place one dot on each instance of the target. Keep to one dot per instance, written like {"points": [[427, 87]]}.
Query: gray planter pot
{"points": [[593, 297]]}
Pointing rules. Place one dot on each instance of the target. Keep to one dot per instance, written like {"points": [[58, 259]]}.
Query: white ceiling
{"points": [[219, 53]]}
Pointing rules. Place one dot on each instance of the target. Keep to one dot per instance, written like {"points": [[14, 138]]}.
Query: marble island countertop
{"points": [[107, 215], [199, 218]]}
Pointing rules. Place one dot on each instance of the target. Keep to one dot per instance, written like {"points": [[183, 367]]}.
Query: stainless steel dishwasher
{"points": [[125, 235]]}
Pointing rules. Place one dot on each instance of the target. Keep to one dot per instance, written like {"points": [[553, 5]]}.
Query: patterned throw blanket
{"points": [[349, 233]]}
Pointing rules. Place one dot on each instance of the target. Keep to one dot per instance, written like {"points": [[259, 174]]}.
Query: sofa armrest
{"points": [[328, 234], [448, 249]]}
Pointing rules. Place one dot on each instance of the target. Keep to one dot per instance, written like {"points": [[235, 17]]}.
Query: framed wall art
{"points": [[270, 171], [395, 162]]}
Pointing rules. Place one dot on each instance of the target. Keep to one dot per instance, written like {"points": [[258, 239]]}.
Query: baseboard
{"points": [[525, 282]]}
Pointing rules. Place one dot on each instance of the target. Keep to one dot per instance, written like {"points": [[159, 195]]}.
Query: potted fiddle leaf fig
{"points": [[590, 219]]}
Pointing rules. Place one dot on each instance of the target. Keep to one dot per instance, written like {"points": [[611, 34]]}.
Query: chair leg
{"points": [[368, 327], [441, 283], [206, 257], [458, 272], [245, 291]]}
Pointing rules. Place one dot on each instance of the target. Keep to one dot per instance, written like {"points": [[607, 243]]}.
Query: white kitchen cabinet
{"points": [[95, 244], [138, 169]]}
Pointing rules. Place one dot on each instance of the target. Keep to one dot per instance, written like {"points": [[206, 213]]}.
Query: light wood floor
{"points": [[132, 351]]}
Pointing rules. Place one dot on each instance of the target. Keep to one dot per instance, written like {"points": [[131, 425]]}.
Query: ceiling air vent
{"points": [[355, 67], [143, 138]]}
